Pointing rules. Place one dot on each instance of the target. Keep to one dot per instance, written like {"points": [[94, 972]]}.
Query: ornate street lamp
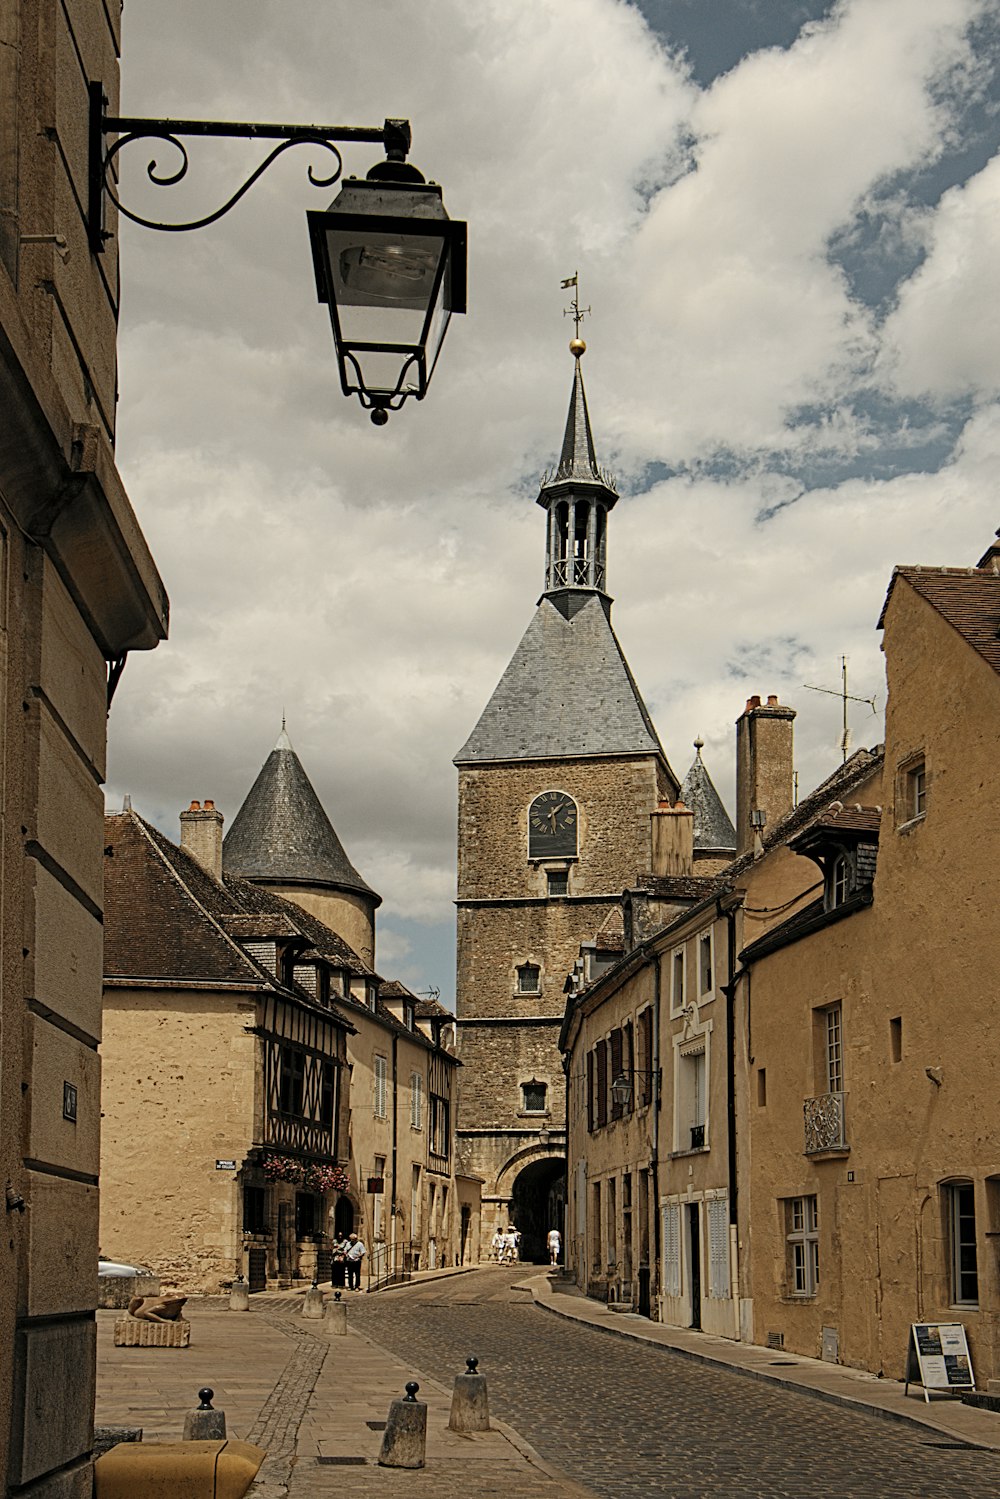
{"points": [[389, 262], [621, 1091]]}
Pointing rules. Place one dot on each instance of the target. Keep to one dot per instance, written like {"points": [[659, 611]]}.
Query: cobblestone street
{"points": [[627, 1419]]}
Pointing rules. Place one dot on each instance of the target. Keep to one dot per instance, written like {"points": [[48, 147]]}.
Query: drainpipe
{"points": [[657, 1106], [729, 989], [395, 1117], [569, 1177]]}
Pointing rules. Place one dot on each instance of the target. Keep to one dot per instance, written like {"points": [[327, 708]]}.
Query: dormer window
{"points": [[839, 882]]}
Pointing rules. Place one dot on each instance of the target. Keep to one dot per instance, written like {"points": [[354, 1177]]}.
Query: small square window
{"points": [[533, 1098], [558, 881], [529, 977]]}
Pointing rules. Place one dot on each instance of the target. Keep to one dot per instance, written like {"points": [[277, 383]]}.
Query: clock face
{"points": [[551, 825]]}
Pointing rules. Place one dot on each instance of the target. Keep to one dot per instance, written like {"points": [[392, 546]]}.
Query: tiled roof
{"points": [[713, 828], [161, 911], [329, 943], [681, 886], [567, 692], [856, 819], [968, 598], [282, 833]]}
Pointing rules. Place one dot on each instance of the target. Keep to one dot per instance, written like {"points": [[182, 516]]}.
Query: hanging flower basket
{"points": [[282, 1168], [327, 1179]]}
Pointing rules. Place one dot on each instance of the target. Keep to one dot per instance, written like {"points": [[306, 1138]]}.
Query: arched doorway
{"points": [[538, 1203], [343, 1218]]}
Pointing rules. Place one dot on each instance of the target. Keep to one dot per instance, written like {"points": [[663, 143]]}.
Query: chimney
{"points": [[764, 769], [201, 836], [672, 830]]}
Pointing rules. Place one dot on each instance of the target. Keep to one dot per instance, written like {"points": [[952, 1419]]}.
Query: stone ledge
{"points": [[131, 1332]]}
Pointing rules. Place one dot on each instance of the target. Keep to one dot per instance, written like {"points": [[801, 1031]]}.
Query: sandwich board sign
{"points": [[938, 1358]]}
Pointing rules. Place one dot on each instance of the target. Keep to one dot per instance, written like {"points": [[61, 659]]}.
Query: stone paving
{"points": [[632, 1419]]}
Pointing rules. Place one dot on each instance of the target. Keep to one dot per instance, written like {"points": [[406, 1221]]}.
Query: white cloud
{"points": [[375, 583], [943, 339]]}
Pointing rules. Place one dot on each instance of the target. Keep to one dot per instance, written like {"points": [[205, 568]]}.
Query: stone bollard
{"points": [[336, 1316], [313, 1304], [205, 1424], [405, 1439], [470, 1406], [239, 1296]]}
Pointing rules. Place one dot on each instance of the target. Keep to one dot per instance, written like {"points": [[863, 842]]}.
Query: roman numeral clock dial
{"points": [[552, 821]]}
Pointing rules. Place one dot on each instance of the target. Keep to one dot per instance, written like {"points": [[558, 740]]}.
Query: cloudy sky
{"points": [[785, 218]]}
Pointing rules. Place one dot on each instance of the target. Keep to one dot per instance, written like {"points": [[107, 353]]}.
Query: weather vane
{"points": [[575, 311]]}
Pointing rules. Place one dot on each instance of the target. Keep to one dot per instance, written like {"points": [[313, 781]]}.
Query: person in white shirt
{"points": [[554, 1242], [496, 1246], [355, 1254]]}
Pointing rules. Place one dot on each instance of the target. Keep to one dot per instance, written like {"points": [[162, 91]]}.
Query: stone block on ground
{"points": [[177, 1470], [116, 1291], [131, 1333]]}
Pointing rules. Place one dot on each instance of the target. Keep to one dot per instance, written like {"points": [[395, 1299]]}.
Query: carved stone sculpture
{"points": [[165, 1308]]}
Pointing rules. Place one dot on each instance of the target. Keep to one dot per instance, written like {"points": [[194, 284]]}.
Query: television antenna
{"points": [[845, 697]]}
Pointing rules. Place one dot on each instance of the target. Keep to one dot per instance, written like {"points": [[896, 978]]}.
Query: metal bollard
{"points": [[313, 1304], [239, 1296], [336, 1316], [470, 1406], [405, 1441], [205, 1424]]}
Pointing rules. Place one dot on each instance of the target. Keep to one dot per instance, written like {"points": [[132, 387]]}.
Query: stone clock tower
{"points": [[557, 784]]}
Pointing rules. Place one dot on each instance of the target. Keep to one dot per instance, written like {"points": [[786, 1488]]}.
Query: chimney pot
{"points": [[195, 807], [201, 836], [772, 702], [209, 806]]}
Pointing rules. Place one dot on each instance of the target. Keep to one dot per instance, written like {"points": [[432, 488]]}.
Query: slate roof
{"points": [[567, 692], [578, 459], [713, 828], [692, 887], [282, 833], [968, 598]]}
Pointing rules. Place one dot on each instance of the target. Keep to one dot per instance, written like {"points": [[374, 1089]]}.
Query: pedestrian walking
{"points": [[355, 1254], [554, 1242], [509, 1251], [496, 1246]]}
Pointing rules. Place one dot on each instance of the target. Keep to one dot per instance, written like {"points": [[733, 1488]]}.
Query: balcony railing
{"points": [[697, 1137], [824, 1123]]}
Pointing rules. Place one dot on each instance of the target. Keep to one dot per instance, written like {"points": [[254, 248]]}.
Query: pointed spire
{"points": [[713, 828], [577, 494], [282, 834]]}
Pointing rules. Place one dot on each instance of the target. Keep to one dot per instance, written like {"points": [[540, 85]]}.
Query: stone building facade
{"points": [[873, 1177], [557, 784], [78, 592], [297, 1092]]}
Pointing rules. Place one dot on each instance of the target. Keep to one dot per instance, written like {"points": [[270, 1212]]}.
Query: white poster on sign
{"points": [[938, 1358]]}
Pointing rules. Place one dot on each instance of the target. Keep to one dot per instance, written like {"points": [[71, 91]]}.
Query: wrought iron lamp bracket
{"points": [[393, 135]]}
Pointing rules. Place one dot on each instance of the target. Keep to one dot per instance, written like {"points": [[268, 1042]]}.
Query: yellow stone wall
{"points": [[179, 1094]]}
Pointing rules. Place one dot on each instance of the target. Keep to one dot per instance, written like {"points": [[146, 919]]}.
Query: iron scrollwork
{"points": [[172, 178], [393, 135]]}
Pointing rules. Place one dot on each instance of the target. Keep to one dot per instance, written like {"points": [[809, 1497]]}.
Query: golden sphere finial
{"points": [[577, 347]]}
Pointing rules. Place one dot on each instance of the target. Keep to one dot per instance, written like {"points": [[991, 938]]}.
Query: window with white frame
{"points": [[718, 1248], [911, 790], [416, 1101], [706, 977], [692, 1111], [802, 1246], [677, 980], [671, 1216], [840, 881], [960, 1205], [833, 1047], [381, 1077]]}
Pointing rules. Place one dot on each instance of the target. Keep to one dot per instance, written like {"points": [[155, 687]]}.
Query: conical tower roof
{"points": [[282, 835], [713, 828]]}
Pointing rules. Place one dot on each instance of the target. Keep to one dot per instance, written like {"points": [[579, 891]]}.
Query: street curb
{"points": [[847, 1402]]}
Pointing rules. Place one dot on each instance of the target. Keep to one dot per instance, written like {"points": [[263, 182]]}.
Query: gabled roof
{"points": [[567, 692], [282, 833], [968, 598], [161, 911], [713, 828]]}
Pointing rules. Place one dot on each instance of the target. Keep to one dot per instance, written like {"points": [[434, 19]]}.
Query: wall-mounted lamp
{"points": [[389, 262]]}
